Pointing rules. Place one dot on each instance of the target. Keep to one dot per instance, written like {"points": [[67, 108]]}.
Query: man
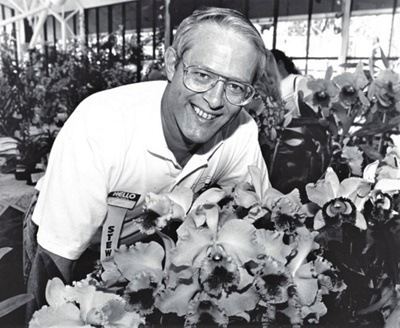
{"points": [[190, 131]]}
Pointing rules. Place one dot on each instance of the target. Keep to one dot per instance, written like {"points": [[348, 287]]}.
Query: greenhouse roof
{"points": [[57, 5]]}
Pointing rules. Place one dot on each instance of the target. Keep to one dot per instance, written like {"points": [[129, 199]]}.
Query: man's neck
{"points": [[176, 142]]}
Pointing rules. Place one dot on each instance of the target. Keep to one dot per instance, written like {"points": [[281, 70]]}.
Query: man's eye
{"points": [[201, 75], [236, 87]]}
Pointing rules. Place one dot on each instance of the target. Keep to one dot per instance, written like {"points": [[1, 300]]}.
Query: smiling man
{"points": [[120, 144]]}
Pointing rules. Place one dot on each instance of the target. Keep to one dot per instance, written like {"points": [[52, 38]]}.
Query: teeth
{"points": [[203, 114]]}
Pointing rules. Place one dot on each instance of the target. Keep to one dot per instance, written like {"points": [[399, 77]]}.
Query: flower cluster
{"points": [[237, 257]]}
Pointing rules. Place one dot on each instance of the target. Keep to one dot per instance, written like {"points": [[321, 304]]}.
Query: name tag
{"points": [[123, 199], [119, 202]]}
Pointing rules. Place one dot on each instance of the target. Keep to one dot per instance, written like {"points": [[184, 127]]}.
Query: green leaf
{"points": [[293, 142], [4, 251], [371, 152], [13, 303]]}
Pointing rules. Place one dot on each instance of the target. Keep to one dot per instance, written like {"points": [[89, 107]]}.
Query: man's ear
{"points": [[170, 60]]}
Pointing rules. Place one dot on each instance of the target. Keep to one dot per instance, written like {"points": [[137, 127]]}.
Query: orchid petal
{"points": [[212, 195], [111, 275], [237, 238], [67, 315], [332, 177], [195, 311], [88, 297], [212, 216], [319, 221], [182, 196], [318, 309], [305, 244], [191, 248], [246, 198], [275, 290], [386, 185], [293, 311], [55, 292], [323, 190], [272, 242], [360, 221], [348, 188], [117, 316], [237, 303], [177, 300], [138, 258], [307, 289]]}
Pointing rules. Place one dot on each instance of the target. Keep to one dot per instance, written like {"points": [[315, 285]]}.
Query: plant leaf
{"points": [[13, 303]]}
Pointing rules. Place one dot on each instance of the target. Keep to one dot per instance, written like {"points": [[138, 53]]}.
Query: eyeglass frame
{"points": [[220, 78]]}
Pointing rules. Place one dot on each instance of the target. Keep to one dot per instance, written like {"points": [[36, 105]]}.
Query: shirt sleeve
{"points": [[72, 201]]}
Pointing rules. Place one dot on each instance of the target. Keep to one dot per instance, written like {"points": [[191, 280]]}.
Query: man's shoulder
{"points": [[241, 127], [133, 91], [123, 98]]}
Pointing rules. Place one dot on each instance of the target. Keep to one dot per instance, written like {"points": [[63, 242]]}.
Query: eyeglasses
{"points": [[200, 80]]}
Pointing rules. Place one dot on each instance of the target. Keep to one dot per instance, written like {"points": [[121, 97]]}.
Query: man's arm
{"points": [[46, 266]]}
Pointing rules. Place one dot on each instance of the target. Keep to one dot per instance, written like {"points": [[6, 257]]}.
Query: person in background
{"points": [[153, 136], [301, 152], [292, 82]]}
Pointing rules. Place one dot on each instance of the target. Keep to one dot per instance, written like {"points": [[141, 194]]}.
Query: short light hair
{"points": [[224, 17]]}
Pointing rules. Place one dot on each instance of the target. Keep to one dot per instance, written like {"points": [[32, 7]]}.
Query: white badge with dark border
{"points": [[119, 202]]}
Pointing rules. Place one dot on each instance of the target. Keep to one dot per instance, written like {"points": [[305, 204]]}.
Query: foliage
{"points": [[341, 155], [37, 95], [14, 302]]}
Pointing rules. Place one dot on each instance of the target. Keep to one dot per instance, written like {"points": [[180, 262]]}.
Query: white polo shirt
{"points": [[114, 141]]}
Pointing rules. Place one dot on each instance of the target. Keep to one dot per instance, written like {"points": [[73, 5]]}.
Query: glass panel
{"points": [[325, 37], [395, 45], [116, 18], [367, 30], [291, 37]]}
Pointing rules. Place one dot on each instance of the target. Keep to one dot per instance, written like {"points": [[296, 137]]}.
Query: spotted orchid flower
{"points": [[203, 304], [217, 251], [312, 279], [339, 202], [159, 209], [141, 266], [351, 86], [324, 92], [83, 305]]}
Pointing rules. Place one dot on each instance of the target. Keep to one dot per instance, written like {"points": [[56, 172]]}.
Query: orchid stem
{"points": [[274, 155], [382, 134]]}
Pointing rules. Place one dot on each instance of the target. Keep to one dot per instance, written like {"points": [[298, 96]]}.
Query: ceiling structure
{"points": [[57, 5]]}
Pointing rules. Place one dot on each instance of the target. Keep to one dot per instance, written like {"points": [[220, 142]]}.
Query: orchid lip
{"points": [[203, 114]]}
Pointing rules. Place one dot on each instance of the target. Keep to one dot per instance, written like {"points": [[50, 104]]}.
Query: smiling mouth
{"points": [[204, 115]]}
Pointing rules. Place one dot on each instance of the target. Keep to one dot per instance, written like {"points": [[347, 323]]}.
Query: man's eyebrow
{"points": [[212, 71]]}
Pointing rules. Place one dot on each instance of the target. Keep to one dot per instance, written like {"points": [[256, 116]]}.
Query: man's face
{"points": [[197, 117]]}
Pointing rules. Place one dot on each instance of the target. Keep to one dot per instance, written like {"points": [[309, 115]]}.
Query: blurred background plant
{"points": [[347, 121], [39, 94]]}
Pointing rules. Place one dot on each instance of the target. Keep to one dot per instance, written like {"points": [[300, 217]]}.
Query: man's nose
{"points": [[215, 96]]}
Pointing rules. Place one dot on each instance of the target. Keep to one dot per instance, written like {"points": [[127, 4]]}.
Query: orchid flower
{"points": [[310, 278], [385, 91], [287, 211], [354, 157], [82, 305], [141, 266], [324, 92], [202, 304], [160, 209], [351, 86], [337, 201], [218, 251]]}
